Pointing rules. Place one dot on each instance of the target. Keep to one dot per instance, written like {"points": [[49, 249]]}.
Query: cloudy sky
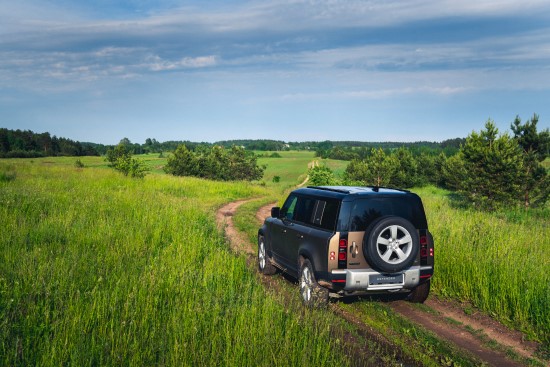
{"points": [[293, 70]]}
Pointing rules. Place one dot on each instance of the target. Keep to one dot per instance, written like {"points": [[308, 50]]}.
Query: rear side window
{"points": [[330, 213], [365, 211], [304, 210], [321, 213]]}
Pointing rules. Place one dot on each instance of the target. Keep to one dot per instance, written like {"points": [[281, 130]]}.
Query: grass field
{"points": [[499, 262], [97, 269], [100, 269], [291, 169]]}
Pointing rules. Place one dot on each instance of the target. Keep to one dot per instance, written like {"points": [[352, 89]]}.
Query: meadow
{"points": [[97, 268], [498, 262], [101, 269]]}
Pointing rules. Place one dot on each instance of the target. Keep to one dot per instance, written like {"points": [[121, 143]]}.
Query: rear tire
{"points": [[420, 293], [264, 262], [313, 295]]}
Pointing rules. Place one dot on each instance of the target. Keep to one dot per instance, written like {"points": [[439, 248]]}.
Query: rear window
{"points": [[365, 211]]}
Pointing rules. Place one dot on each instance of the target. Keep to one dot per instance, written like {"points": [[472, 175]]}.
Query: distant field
{"points": [[291, 168]]}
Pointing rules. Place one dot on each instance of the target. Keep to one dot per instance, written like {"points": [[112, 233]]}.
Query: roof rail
{"points": [[354, 189], [334, 189]]}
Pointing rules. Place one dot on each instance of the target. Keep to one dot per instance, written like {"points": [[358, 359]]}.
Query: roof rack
{"points": [[326, 188], [354, 189]]}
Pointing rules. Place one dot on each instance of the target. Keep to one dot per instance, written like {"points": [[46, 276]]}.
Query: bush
{"points": [[217, 163], [321, 176], [121, 159], [78, 164], [131, 167]]}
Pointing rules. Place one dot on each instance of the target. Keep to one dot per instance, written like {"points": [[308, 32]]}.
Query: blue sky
{"points": [[394, 70]]}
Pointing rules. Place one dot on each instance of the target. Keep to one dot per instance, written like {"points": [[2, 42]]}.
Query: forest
{"points": [[28, 144]]}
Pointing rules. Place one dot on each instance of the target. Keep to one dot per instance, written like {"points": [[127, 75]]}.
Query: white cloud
{"points": [[156, 63]]}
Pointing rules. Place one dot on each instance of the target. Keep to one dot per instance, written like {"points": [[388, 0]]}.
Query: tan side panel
{"points": [[356, 259], [333, 247]]}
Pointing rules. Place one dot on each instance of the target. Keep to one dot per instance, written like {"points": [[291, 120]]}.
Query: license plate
{"points": [[381, 279]]}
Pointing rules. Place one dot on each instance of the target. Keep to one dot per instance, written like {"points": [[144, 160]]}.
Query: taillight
{"points": [[424, 250], [342, 252]]}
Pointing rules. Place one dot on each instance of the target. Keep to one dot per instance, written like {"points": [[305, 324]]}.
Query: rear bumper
{"points": [[352, 280]]}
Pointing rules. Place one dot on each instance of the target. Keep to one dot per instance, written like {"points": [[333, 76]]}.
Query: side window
{"points": [[325, 214], [320, 213], [330, 213], [305, 210], [289, 207]]}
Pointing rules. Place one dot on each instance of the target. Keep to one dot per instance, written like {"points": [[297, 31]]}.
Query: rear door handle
{"points": [[300, 236]]}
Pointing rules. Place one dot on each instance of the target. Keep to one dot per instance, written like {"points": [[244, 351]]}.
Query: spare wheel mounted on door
{"points": [[392, 244]]}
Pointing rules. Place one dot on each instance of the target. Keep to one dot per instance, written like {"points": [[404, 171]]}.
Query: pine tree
{"points": [[493, 168], [182, 163], [535, 146]]}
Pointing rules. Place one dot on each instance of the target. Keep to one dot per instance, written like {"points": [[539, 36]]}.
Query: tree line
{"points": [[350, 150], [27, 144], [488, 170]]}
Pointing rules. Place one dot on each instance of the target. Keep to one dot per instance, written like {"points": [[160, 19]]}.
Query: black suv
{"points": [[342, 240]]}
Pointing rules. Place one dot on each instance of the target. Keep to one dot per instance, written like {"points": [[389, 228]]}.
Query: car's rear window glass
{"points": [[365, 211]]}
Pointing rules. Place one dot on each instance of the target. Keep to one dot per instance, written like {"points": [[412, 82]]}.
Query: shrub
{"points": [[321, 175], [121, 159], [78, 164], [217, 163]]}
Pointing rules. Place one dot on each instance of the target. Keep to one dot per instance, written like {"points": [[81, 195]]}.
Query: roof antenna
{"points": [[377, 187]]}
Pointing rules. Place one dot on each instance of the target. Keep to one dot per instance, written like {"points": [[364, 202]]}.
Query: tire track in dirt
{"points": [[435, 321]]}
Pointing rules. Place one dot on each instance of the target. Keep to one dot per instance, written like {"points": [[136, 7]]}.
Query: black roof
{"points": [[342, 191]]}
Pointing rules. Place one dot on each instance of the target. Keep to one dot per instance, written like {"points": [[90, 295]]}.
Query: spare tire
{"points": [[391, 244]]}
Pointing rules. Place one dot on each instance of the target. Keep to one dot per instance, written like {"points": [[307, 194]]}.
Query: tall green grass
{"points": [[500, 262], [100, 269]]}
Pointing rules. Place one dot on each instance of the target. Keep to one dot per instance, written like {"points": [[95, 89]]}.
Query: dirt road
{"points": [[446, 319]]}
